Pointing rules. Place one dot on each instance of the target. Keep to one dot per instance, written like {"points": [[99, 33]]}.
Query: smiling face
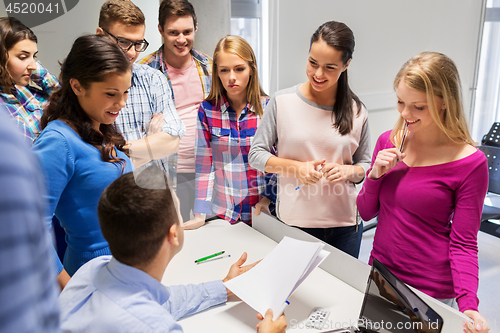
{"points": [[178, 35], [21, 62], [234, 74], [414, 108], [102, 101], [324, 67]]}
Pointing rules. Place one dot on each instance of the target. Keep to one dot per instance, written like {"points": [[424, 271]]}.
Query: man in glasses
{"points": [[149, 121], [189, 73]]}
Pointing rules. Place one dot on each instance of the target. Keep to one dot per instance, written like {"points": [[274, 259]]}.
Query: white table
{"points": [[339, 284]]}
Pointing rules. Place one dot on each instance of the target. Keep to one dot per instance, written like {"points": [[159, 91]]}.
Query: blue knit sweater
{"points": [[75, 178]]}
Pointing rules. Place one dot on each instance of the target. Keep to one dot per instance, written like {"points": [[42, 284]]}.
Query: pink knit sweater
{"points": [[428, 220]]}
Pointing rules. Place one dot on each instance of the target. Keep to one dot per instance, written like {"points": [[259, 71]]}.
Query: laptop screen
{"points": [[390, 306]]}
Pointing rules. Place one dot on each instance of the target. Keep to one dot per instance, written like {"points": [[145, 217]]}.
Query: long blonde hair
{"points": [[240, 47], [435, 74]]}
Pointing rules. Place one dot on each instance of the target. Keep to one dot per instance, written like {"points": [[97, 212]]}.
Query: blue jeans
{"points": [[345, 239]]}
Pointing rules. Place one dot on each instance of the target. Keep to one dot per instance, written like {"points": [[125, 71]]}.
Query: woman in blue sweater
{"points": [[80, 150]]}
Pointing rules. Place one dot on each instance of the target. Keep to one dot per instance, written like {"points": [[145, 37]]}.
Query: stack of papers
{"points": [[273, 280]]}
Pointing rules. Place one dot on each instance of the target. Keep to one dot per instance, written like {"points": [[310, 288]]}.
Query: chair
{"points": [[491, 207]]}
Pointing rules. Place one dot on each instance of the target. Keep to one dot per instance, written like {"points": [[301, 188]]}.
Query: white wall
{"points": [[388, 33], [56, 37], [214, 22]]}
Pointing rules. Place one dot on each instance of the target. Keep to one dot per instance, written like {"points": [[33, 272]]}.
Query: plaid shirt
{"points": [[204, 66], [26, 104], [150, 93], [225, 183]]}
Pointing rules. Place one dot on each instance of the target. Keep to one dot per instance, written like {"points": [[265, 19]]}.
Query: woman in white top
{"points": [[321, 132]]}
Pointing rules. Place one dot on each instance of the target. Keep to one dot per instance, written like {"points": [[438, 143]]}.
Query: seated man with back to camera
{"points": [[123, 292]]}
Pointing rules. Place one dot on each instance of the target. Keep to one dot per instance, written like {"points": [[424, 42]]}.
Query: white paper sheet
{"points": [[272, 281]]}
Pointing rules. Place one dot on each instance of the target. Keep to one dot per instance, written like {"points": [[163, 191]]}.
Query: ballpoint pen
{"points": [[281, 310], [298, 187], [213, 259], [405, 132], [210, 256]]}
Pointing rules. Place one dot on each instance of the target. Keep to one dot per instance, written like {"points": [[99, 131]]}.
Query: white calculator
{"points": [[317, 318]]}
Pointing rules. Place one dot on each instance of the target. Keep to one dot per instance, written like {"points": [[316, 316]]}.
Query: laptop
{"points": [[391, 306]]}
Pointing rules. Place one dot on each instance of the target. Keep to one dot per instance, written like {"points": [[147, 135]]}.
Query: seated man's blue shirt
{"points": [[108, 296]]}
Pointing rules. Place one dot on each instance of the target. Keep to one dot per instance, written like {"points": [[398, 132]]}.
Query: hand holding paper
{"points": [[266, 323], [270, 283], [237, 269]]}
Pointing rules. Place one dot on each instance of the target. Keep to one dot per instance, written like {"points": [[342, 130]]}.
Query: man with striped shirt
{"points": [[150, 110]]}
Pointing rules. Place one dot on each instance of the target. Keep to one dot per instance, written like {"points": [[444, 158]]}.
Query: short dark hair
{"points": [[169, 8], [136, 212], [121, 11]]}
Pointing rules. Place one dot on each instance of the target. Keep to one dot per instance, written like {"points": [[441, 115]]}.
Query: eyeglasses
{"points": [[126, 44]]}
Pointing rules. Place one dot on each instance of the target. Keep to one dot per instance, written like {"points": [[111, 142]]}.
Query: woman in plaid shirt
{"points": [[227, 120], [18, 68]]}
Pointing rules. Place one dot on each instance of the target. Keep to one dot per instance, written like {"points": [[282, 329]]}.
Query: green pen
{"points": [[211, 256]]}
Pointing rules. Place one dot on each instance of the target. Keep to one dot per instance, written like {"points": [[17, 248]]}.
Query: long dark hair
{"points": [[339, 36], [12, 31], [91, 59]]}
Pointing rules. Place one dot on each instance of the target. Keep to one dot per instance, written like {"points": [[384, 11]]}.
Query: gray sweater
{"points": [[303, 131]]}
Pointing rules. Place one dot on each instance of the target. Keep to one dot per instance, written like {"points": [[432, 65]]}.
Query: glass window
{"points": [[248, 28], [487, 98], [246, 22]]}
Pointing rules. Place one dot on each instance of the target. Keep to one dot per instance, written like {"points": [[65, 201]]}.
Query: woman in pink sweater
{"points": [[427, 186], [320, 129]]}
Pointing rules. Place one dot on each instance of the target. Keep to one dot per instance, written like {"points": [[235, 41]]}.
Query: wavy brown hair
{"points": [[12, 31], [91, 59], [340, 37]]}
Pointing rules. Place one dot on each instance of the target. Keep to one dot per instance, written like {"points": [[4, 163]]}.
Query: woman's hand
{"points": [[386, 160], [195, 223], [63, 279], [156, 123], [307, 173], [267, 325], [334, 172], [262, 205], [477, 325]]}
